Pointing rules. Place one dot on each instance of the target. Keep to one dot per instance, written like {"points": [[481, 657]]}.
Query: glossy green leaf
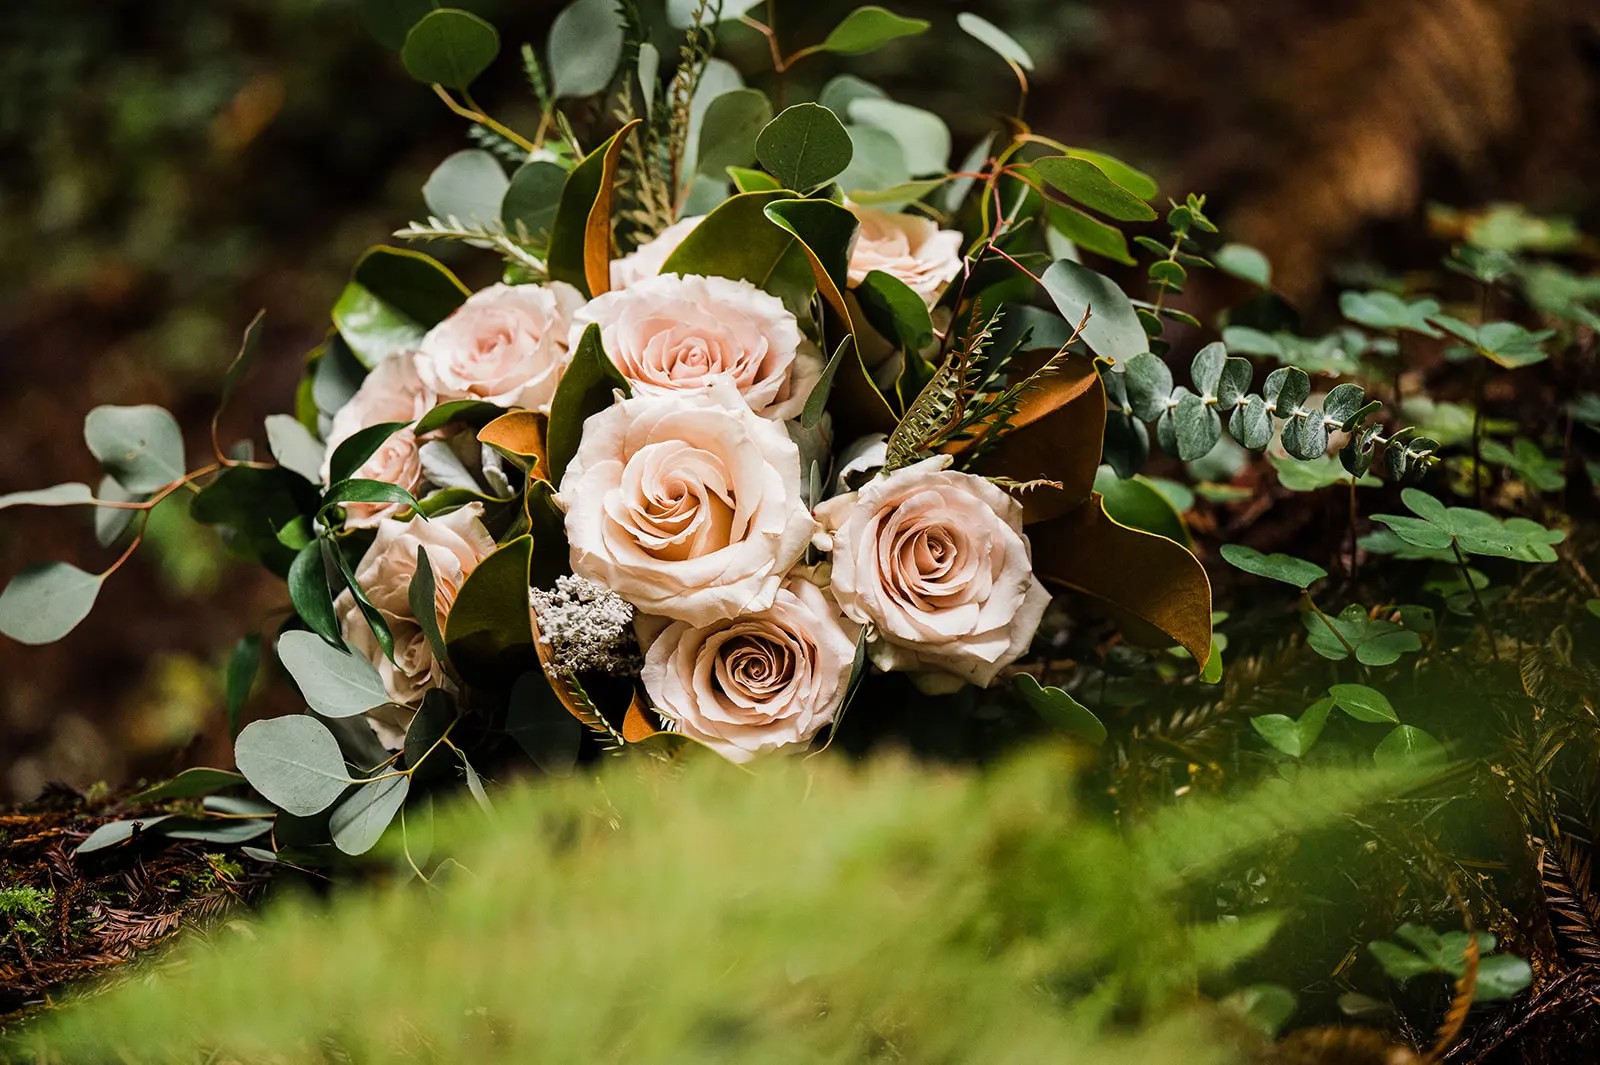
{"points": [[311, 595], [817, 401], [244, 662], [294, 762], [895, 311], [1295, 572], [449, 47], [489, 631], [1363, 703], [1088, 234], [1089, 185], [868, 28], [1138, 504], [587, 387], [1409, 747], [1292, 737], [537, 719], [45, 602], [1376, 642], [422, 597], [804, 146], [584, 208]]}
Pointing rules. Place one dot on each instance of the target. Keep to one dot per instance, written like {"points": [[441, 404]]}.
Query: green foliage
{"points": [[45, 602], [449, 47], [1374, 641], [1499, 976], [868, 28], [804, 146], [1468, 531], [895, 892], [333, 682], [1292, 571]]}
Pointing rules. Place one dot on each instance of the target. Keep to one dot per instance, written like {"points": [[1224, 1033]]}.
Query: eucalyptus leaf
{"points": [[335, 683], [868, 28], [996, 39], [1245, 263], [1089, 185], [360, 819], [449, 47], [1113, 330], [189, 784], [804, 146], [469, 186], [113, 832], [585, 48], [728, 136], [921, 134], [295, 447], [142, 447], [45, 602], [294, 762], [60, 495]]}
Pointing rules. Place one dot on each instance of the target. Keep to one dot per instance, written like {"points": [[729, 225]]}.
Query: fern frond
{"points": [[1566, 875]]}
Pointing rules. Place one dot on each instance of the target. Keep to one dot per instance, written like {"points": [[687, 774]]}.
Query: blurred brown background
{"points": [[167, 168]]}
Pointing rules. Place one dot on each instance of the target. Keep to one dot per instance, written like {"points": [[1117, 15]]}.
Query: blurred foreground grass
{"points": [[816, 912]]}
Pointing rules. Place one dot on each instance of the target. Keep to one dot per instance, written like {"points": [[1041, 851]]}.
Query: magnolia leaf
{"points": [[580, 233], [360, 819], [1113, 330], [922, 135], [746, 179], [1296, 572], [189, 784], [997, 40], [489, 631], [585, 48], [804, 146], [142, 447], [826, 232], [519, 435], [895, 310], [1089, 185], [449, 47], [334, 682], [1061, 710], [45, 602], [394, 290], [294, 762], [587, 387], [366, 490], [1138, 504], [1363, 703], [1055, 435], [1153, 586], [422, 597], [541, 724], [738, 240], [426, 733], [728, 135]]}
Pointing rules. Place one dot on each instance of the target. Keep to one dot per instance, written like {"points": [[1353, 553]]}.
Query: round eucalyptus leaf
{"points": [[294, 762], [869, 28], [469, 187], [334, 683], [732, 123], [1233, 383], [804, 146], [1305, 436], [449, 47], [1244, 262], [1149, 385], [1113, 330], [113, 832], [1206, 370], [45, 602], [357, 823], [111, 522], [1127, 444], [295, 447], [142, 447], [996, 39], [1197, 427], [1251, 423], [1343, 402], [585, 47], [1285, 389], [923, 136], [531, 199], [57, 495]]}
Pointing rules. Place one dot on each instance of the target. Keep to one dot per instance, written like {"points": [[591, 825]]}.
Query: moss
{"points": [[26, 908]]}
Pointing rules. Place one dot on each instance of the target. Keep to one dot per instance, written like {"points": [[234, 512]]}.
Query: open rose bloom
{"points": [[703, 430]]}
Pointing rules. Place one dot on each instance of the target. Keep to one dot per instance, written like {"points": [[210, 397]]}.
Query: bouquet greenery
{"points": [[768, 401]]}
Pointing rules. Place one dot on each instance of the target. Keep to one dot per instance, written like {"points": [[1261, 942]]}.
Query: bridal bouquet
{"points": [[766, 401]]}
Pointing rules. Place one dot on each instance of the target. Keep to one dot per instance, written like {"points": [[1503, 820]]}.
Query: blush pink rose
{"points": [[455, 543], [760, 682], [392, 392], [506, 345], [937, 563], [907, 247], [648, 258], [682, 333], [686, 504]]}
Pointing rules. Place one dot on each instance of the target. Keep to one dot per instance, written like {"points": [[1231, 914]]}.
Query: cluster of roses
{"points": [[691, 500]]}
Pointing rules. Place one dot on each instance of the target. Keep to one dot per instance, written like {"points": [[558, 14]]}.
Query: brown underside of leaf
{"points": [[1155, 587], [576, 705], [636, 724], [1565, 871], [597, 228], [518, 434], [1055, 436]]}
